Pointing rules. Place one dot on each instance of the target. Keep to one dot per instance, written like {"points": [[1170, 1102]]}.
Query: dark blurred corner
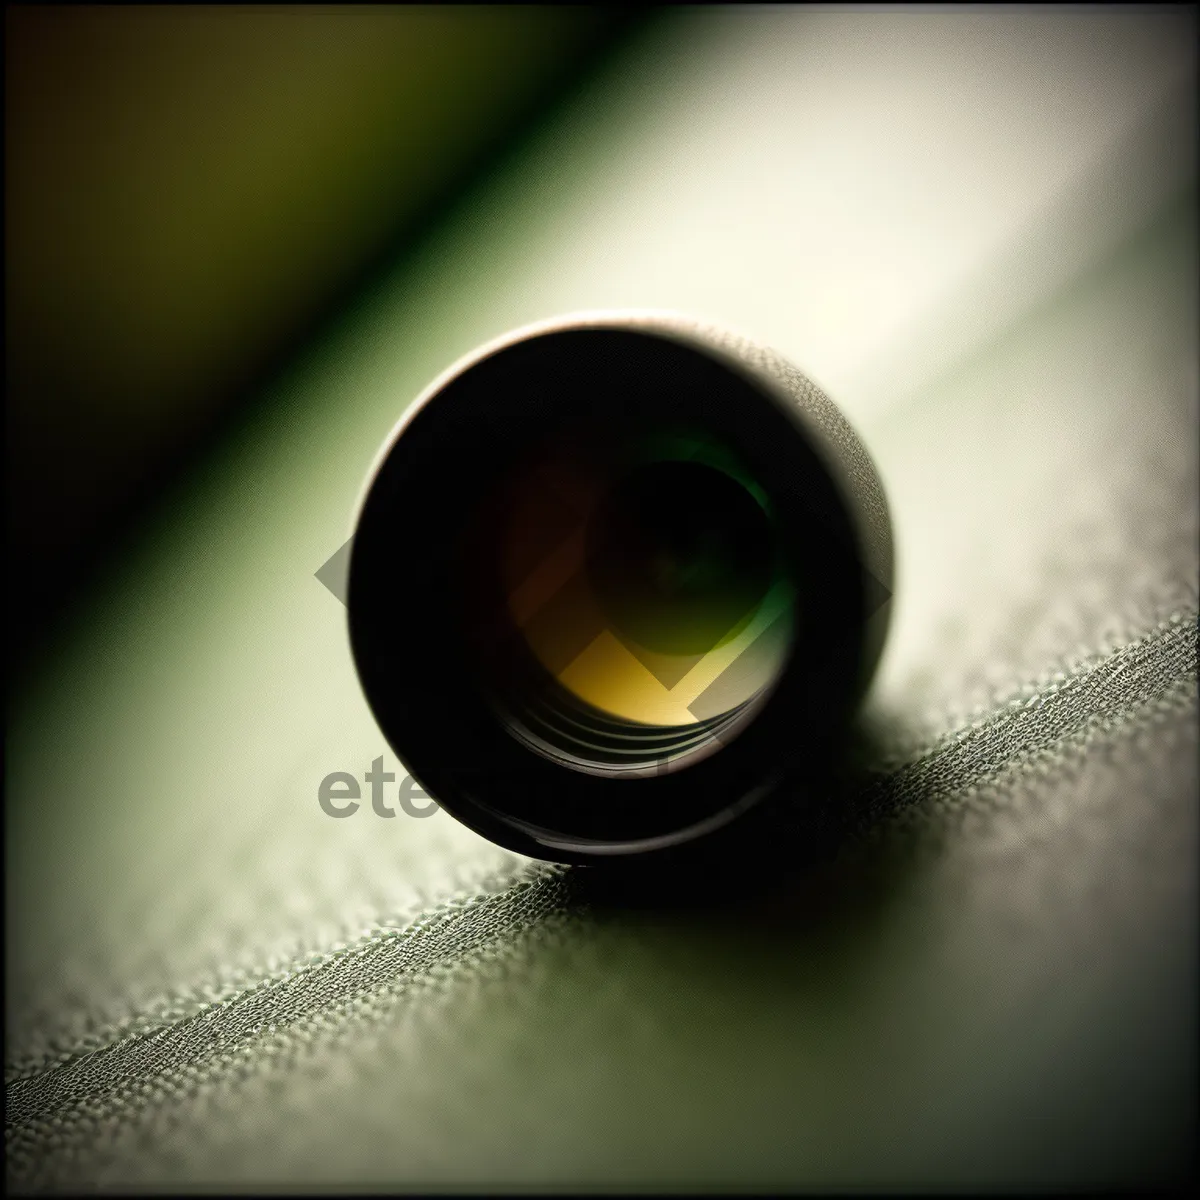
{"points": [[189, 193]]}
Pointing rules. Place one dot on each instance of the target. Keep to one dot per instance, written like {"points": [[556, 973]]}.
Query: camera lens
{"points": [[615, 582]]}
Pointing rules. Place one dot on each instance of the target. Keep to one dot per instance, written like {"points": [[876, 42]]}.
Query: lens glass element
{"points": [[627, 598]]}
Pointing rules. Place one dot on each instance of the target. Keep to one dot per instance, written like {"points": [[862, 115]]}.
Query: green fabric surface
{"points": [[210, 982]]}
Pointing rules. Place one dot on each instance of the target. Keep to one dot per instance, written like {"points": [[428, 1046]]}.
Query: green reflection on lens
{"points": [[679, 553]]}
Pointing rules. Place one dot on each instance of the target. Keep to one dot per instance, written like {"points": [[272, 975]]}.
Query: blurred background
{"points": [[190, 192], [241, 240]]}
